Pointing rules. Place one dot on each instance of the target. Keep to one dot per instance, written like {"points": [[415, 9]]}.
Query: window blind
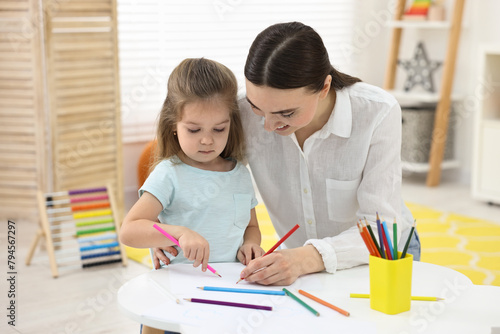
{"points": [[155, 35]]}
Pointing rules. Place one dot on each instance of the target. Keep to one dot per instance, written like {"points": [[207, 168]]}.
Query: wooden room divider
{"points": [[60, 124]]}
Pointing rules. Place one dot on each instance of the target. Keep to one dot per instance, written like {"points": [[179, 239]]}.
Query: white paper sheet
{"points": [[287, 315]]}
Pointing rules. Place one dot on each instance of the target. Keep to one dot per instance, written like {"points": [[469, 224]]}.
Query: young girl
{"points": [[198, 190]]}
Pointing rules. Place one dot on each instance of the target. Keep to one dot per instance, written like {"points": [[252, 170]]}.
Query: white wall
{"points": [[368, 55]]}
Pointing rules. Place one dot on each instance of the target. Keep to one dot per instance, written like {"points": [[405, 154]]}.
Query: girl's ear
{"points": [[326, 87]]}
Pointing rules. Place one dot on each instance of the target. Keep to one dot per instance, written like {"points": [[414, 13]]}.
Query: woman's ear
{"points": [[326, 87]]}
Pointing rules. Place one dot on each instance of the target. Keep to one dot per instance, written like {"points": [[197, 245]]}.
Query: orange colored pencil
{"points": [[369, 238], [367, 243], [322, 302], [374, 239]]}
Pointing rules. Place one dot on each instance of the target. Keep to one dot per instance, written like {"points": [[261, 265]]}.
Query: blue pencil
{"points": [[380, 238], [263, 292], [395, 236], [389, 242]]}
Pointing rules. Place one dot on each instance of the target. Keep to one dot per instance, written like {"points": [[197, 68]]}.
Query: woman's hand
{"points": [[283, 267], [158, 255], [276, 268], [195, 248], [248, 252]]}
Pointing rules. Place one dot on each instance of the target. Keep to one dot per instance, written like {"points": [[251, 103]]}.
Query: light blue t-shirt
{"points": [[214, 204]]}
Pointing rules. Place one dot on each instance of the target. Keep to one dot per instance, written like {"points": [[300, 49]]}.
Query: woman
{"points": [[324, 149]]}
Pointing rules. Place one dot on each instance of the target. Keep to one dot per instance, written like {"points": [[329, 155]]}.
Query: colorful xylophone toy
{"points": [[80, 228]]}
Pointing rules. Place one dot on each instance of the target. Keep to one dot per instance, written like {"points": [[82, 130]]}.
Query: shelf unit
{"points": [[444, 97], [486, 164], [422, 97], [420, 167]]}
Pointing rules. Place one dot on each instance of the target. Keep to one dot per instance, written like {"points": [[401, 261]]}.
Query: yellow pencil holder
{"points": [[390, 284]]}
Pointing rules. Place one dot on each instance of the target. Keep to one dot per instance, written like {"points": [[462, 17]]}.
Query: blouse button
{"points": [[305, 191], [309, 221]]}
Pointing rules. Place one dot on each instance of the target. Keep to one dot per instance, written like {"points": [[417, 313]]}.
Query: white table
{"points": [[467, 308]]}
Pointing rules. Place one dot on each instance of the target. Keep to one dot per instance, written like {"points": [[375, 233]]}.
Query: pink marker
{"points": [[177, 243]]}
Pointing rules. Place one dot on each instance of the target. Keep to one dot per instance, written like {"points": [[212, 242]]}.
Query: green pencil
{"points": [[395, 236], [409, 238], [298, 300]]}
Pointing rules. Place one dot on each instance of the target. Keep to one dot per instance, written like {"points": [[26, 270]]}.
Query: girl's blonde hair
{"points": [[194, 80]]}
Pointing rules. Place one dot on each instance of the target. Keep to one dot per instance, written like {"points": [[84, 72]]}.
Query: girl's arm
{"points": [[251, 241], [137, 231]]}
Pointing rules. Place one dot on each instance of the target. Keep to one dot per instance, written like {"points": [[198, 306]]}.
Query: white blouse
{"points": [[348, 170]]}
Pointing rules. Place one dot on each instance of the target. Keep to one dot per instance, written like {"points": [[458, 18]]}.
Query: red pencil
{"points": [[278, 243], [282, 239], [386, 245]]}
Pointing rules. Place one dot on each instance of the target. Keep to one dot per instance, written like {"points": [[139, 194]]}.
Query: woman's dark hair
{"points": [[292, 55]]}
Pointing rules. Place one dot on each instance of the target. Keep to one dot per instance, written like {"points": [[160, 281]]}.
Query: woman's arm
{"points": [[378, 191]]}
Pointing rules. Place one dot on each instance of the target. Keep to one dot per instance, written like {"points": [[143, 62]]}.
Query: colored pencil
{"points": [[395, 236], [390, 250], [369, 238], [277, 244], [408, 241], [298, 300], [384, 238], [381, 240], [223, 303], [263, 292], [322, 302], [162, 231], [432, 299], [365, 240], [164, 291], [282, 239], [372, 235]]}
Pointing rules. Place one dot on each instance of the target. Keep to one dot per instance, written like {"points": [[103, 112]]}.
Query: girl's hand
{"points": [[159, 255], [195, 248], [248, 252]]}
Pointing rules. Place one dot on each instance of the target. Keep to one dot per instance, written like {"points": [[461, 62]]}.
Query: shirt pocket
{"points": [[342, 199], [242, 206]]}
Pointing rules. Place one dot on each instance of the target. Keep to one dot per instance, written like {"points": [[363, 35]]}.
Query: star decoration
{"points": [[419, 70]]}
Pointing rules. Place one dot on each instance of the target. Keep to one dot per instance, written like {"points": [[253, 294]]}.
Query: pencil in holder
{"points": [[390, 284]]}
